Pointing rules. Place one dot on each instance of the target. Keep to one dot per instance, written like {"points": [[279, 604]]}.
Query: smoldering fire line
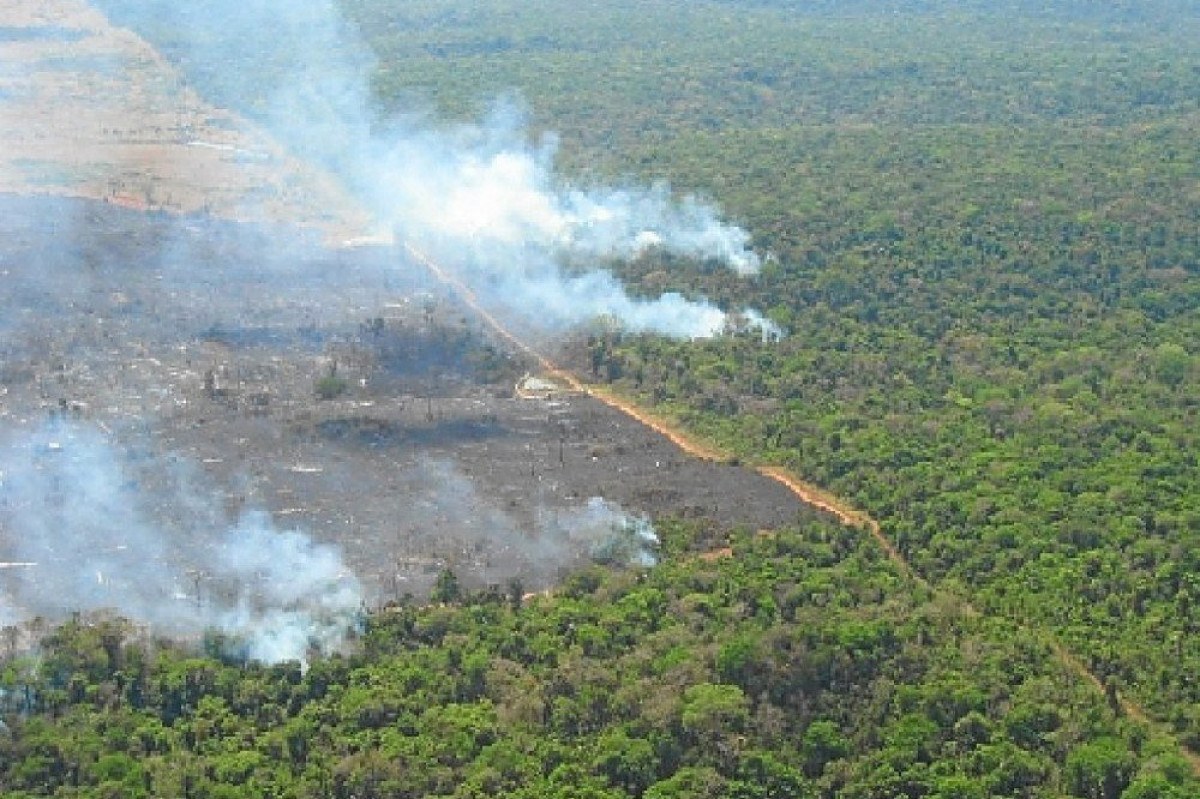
{"points": [[481, 196], [89, 535]]}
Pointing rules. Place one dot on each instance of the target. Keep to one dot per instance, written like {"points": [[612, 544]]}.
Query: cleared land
{"points": [[91, 110], [340, 389]]}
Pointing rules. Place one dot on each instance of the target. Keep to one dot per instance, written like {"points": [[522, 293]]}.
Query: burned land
{"points": [[207, 343], [339, 390]]}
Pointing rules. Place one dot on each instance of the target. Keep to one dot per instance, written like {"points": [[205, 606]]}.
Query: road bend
{"points": [[806, 492]]}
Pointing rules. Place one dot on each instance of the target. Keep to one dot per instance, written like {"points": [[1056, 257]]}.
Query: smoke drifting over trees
{"points": [[100, 515], [481, 197], [97, 526]]}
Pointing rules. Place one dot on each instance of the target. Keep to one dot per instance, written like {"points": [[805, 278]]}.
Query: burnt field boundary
{"points": [[806, 492]]}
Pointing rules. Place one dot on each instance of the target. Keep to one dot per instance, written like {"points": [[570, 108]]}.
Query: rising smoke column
{"points": [[607, 533], [124, 529], [535, 544], [481, 198], [292, 594]]}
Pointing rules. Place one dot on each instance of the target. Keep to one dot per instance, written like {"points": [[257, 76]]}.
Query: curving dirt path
{"points": [[132, 133], [807, 492], [1130, 708], [853, 517]]}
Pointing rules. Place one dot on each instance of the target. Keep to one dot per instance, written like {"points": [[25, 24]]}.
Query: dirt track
{"points": [[193, 338], [219, 367]]}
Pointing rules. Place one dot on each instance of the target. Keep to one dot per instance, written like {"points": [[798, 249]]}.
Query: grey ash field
{"points": [[343, 392]]}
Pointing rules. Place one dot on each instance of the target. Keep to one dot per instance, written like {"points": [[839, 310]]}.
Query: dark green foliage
{"points": [[1100, 770], [861, 688], [983, 226]]}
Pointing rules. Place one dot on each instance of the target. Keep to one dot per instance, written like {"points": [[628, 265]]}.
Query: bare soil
{"points": [[91, 110], [166, 277]]}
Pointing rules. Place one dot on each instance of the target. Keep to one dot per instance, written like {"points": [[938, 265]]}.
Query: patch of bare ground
{"points": [[294, 392], [91, 110]]}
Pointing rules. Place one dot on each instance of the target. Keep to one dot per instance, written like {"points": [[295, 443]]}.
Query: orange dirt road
{"points": [[137, 135], [806, 492]]}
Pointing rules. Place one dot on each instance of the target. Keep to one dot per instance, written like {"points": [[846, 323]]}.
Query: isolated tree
{"points": [[446, 588]]}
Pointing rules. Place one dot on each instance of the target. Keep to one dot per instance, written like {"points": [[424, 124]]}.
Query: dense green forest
{"points": [[984, 227], [983, 222], [803, 665]]}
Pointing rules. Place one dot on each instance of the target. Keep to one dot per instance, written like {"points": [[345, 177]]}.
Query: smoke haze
{"points": [[536, 546], [94, 525], [99, 526], [481, 198], [107, 518]]}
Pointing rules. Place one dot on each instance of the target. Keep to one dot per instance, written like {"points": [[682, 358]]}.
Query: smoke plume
{"points": [[481, 198], [536, 541], [609, 534], [97, 526]]}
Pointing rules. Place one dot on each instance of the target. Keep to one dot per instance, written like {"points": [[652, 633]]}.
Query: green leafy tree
{"points": [[1102, 769]]}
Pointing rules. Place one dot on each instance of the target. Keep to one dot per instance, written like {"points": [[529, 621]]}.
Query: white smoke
{"points": [[486, 187], [553, 299], [752, 320], [106, 528], [609, 534], [487, 202], [483, 199], [534, 541], [8, 614], [294, 594]]}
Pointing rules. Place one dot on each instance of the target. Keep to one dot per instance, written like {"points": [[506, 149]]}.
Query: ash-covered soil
{"points": [[242, 368], [167, 378]]}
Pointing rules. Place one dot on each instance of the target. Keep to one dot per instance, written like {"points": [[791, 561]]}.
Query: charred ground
{"points": [[340, 390]]}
